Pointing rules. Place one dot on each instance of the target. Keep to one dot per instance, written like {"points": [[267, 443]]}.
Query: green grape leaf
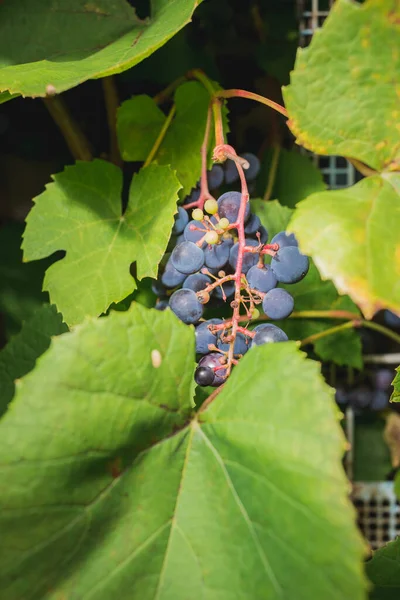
{"points": [[384, 572], [63, 44], [112, 486], [5, 97], [20, 354], [346, 232], [313, 294], [296, 177], [395, 397], [81, 210], [20, 284], [139, 122], [343, 97]]}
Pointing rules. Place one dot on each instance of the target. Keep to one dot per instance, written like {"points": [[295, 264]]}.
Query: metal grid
{"points": [[378, 511], [336, 170]]}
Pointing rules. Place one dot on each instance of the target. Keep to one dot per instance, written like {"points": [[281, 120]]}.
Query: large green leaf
{"points": [[313, 294], [20, 354], [352, 235], [140, 121], [81, 213], [62, 44], [343, 97], [111, 489], [5, 97], [396, 387], [384, 572]]}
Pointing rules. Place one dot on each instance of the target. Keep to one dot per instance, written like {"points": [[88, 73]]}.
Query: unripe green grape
{"points": [[223, 223], [255, 314], [197, 214], [211, 237], [211, 206]]}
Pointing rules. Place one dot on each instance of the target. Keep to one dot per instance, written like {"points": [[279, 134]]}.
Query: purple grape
{"points": [[185, 305], [215, 177], [217, 255], [204, 376], [196, 282], [172, 277], [267, 334], [187, 257], [252, 225], [240, 345], [289, 265], [263, 234], [181, 220], [193, 196], [229, 205], [212, 361], [383, 379], [230, 171], [278, 304], [229, 289], [249, 259], [254, 168], [194, 235], [284, 239], [261, 278]]}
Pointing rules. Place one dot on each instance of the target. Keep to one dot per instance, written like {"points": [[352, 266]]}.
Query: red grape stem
{"points": [[236, 93]]}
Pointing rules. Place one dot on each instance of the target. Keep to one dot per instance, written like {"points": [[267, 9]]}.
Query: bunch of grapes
{"points": [[208, 266]]}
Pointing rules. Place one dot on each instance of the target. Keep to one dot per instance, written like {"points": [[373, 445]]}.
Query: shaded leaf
{"points": [[63, 44], [5, 97], [384, 572], [139, 121], [20, 354], [343, 98], [129, 495], [395, 397], [82, 213], [352, 236]]}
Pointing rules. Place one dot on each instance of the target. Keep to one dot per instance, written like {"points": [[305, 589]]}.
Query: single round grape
{"points": [[181, 220], [249, 259], [223, 223], [211, 237], [185, 305], [379, 400], [278, 304], [215, 177], [229, 205], [391, 319], [158, 288], [230, 172], [255, 314], [229, 289], [263, 234], [193, 196], [284, 239], [204, 336], [213, 361], [383, 379], [204, 376], [289, 265], [211, 206], [172, 277], [197, 215], [162, 304], [252, 225], [254, 166], [216, 257], [187, 257], [196, 282], [261, 278], [267, 334], [195, 234], [240, 346]]}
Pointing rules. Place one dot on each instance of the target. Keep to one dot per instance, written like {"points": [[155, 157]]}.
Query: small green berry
{"points": [[197, 214], [223, 223], [255, 314], [211, 237], [211, 206]]}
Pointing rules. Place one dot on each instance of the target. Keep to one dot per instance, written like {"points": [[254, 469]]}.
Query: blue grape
{"points": [[204, 376], [379, 400], [360, 397], [289, 265], [193, 196], [284, 239], [252, 225], [196, 234], [204, 336], [263, 234], [185, 305], [230, 171], [162, 304], [267, 334], [249, 259], [261, 278], [217, 255], [213, 361], [391, 319], [240, 346], [196, 282], [158, 288], [181, 220], [215, 177], [383, 379], [187, 257], [229, 289], [229, 205], [278, 304], [172, 277], [254, 168]]}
